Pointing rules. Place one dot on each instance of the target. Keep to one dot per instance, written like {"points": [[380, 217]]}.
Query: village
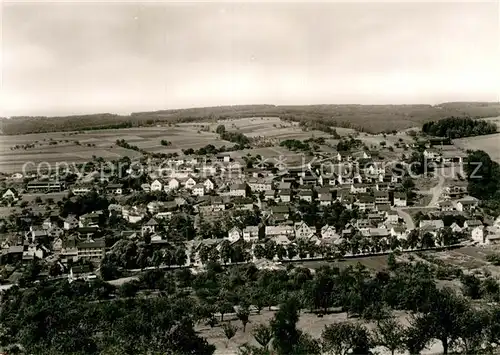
{"points": [[188, 211]]}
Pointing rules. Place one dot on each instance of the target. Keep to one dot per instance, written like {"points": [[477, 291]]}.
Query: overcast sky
{"points": [[69, 58]]}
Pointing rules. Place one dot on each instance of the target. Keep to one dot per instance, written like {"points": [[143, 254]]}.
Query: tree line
{"points": [[458, 127], [370, 118], [483, 180]]}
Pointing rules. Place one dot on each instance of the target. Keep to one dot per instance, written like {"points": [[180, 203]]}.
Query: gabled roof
{"points": [[71, 219], [280, 209], [152, 222], [241, 186], [366, 199], [474, 223], [97, 243], [14, 192], [468, 200], [433, 223]]}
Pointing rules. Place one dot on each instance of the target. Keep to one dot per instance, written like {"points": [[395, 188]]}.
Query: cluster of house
{"points": [[473, 228], [455, 198], [362, 182], [67, 239], [377, 225], [445, 154]]}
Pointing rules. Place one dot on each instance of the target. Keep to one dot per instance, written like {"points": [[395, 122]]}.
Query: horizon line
{"points": [[239, 105]]}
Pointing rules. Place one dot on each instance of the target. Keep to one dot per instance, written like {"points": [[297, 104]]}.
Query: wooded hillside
{"points": [[369, 118]]}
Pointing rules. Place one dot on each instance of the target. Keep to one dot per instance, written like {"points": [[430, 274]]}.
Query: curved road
{"points": [[436, 191], [406, 217]]}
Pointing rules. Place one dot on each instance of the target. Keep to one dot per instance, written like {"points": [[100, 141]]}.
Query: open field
{"points": [[78, 147], [489, 143], [471, 258], [374, 263]]}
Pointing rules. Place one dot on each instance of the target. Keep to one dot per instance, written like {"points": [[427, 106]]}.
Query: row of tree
{"points": [[458, 127]]}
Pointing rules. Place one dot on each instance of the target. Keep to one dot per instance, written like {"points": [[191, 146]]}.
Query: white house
{"points": [[251, 233], [325, 200], [11, 195], [198, 190], [190, 183], [259, 185], [436, 223], [446, 205], [400, 199], [455, 228], [467, 203], [306, 195], [392, 217], [81, 190], [431, 154], [398, 232], [302, 230], [155, 206], [285, 195], [328, 232], [149, 227], [173, 184], [70, 222], [238, 190], [133, 214], [359, 188], [156, 185], [16, 176], [272, 231], [234, 234], [209, 185], [472, 223], [477, 234]]}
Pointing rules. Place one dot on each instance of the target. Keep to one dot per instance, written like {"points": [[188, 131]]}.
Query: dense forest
{"points": [[483, 176], [458, 127], [369, 118]]}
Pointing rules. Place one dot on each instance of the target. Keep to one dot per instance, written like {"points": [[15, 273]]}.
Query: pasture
{"points": [[373, 263], [488, 143]]}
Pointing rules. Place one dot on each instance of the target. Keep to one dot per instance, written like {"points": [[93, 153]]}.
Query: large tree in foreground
{"points": [[389, 334], [344, 338]]}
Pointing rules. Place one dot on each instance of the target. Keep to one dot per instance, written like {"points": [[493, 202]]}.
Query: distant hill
{"points": [[368, 118]]}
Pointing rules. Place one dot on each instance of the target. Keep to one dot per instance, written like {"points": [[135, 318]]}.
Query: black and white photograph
{"points": [[249, 177]]}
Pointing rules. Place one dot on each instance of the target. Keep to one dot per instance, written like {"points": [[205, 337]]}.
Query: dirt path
{"points": [[436, 191]]}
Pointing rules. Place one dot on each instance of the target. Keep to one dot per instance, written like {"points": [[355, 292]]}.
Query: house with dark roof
{"points": [[400, 199], [90, 249], [149, 227], [285, 195], [306, 195], [467, 204], [238, 190]]}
